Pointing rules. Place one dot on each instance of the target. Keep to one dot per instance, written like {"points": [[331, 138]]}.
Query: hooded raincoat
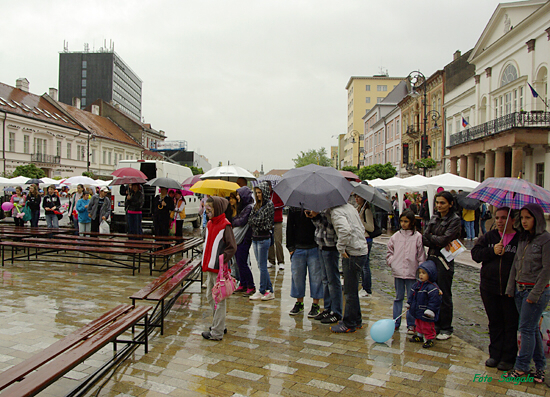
{"points": [[425, 295]]}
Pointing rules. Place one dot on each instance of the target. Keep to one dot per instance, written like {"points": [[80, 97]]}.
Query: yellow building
{"points": [[363, 93]]}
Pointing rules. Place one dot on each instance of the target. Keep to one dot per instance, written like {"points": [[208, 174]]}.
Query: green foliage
{"points": [[382, 171], [30, 171], [426, 163], [313, 156], [58, 178], [350, 168], [196, 171], [89, 174]]}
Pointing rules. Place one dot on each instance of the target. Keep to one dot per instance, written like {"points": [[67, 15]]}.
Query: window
{"points": [[508, 103], [509, 75], [104, 157], [39, 146], [26, 143], [84, 64], [450, 127], [109, 158], [382, 88], [397, 130], [496, 108], [84, 74], [397, 158], [540, 174], [93, 156], [58, 149], [520, 98], [379, 99], [83, 92], [367, 100], [82, 102], [116, 155], [458, 124], [69, 149], [367, 88], [83, 83], [12, 142]]}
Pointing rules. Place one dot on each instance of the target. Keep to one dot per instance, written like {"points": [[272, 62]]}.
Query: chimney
{"points": [[76, 102], [53, 93], [95, 110], [456, 55], [22, 84]]}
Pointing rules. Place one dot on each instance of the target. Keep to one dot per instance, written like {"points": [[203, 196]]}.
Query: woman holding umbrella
{"points": [[162, 205], [529, 285], [133, 204], [443, 228]]}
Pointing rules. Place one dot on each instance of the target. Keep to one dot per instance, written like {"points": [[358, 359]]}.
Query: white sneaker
{"points": [[363, 294], [256, 296], [268, 296], [443, 336], [281, 266], [269, 265]]}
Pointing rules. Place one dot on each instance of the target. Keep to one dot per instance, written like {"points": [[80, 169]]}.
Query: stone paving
{"points": [[266, 352]]}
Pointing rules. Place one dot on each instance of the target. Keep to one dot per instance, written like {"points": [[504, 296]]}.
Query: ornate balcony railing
{"points": [[533, 119], [45, 158], [411, 131]]}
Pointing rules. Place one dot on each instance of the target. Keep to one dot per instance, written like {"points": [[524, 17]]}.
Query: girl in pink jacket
{"points": [[405, 254]]}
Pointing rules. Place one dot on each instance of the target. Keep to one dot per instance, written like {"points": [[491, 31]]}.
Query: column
{"points": [[454, 165], [546, 168], [463, 166], [471, 174], [517, 161], [500, 162], [529, 171], [489, 164]]}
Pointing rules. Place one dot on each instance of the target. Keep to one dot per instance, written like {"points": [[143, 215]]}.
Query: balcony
{"points": [[412, 132], [45, 158], [533, 119]]}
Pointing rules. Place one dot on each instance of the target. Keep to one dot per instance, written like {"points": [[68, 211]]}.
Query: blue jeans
{"points": [[351, 267], [366, 280], [35, 215], [531, 341], [134, 223], [305, 261], [402, 284], [52, 221], [470, 232], [261, 249], [332, 286]]}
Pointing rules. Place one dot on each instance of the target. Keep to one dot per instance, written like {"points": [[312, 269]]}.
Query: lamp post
{"points": [[355, 133]]}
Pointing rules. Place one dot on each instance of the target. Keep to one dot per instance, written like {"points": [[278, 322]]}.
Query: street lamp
{"points": [[355, 133]]}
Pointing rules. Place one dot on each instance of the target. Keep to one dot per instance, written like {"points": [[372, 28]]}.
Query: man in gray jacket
{"points": [[354, 249], [99, 208]]}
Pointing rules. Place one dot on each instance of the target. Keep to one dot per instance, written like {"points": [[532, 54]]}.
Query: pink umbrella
{"points": [[350, 176], [128, 171], [191, 181]]}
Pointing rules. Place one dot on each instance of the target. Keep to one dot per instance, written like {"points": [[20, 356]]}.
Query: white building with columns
{"points": [[506, 128]]}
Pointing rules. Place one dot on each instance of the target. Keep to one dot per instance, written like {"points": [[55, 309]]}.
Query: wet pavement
{"points": [[266, 352]]}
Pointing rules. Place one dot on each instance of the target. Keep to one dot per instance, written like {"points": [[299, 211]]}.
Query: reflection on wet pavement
{"points": [[266, 352]]}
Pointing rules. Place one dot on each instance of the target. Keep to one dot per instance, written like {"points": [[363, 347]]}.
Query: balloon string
{"points": [[395, 319]]}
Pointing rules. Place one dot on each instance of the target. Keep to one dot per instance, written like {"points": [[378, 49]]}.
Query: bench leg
{"points": [[146, 333], [162, 317]]}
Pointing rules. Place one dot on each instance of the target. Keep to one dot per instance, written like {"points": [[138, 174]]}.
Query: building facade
{"points": [[103, 74], [363, 93], [507, 123]]}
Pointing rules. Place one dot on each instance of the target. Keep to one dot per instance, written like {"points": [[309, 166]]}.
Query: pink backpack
{"points": [[225, 283]]}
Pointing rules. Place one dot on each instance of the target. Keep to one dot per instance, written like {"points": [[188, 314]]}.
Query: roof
{"points": [[149, 153], [372, 78], [22, 103], [99, 126], [277, 172]]}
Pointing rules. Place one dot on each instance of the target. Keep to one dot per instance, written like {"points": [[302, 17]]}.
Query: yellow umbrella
{"points": [[214, 187]]}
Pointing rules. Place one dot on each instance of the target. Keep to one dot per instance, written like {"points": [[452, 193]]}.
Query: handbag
{"points": [[27, 213], [172, 230], [239, 232], [225, 283]]}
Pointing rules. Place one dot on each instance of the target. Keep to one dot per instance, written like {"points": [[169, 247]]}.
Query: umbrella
{"points": [[373, 196], [214, 187], [191, 180], [274, 179], [228, 173], [185, 192], [79, 180], [350, 176], [34, 180], [314, 188], [467, 202], [9, 189], [128, 171], [168, 183], [511, 192], [123, 180]]}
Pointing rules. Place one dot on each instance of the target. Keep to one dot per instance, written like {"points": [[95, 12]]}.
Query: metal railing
{"points": [[533, 119], [45, 158]]}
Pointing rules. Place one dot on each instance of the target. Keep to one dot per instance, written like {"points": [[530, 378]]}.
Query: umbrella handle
{"points": [[506, 225]]}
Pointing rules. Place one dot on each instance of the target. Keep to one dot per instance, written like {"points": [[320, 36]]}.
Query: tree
{"points": [[350, 168], [30, 171], [382, 171], [426, 163], [313, 156], [89, 174], [196, 171]]}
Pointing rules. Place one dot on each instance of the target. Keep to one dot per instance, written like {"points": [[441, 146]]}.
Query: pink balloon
{"points": [[7, 206]]}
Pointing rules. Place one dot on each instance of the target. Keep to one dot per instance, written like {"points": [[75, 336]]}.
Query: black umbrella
{"points": [[35, 181], [168, 183], [373, 196], [314, 188], [467, 202]]}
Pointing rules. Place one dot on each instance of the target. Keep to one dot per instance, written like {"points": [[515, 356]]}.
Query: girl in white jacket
{"points": [[405, 254]]}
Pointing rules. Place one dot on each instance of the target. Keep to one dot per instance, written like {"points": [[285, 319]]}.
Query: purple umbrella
{"points": [[191, 181], [511, 192]]}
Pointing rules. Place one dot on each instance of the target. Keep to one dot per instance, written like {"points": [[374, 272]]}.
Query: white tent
{"points": [[18, 180]]}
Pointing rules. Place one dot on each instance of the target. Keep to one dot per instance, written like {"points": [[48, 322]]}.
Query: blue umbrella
{"points": [[9, 189]]}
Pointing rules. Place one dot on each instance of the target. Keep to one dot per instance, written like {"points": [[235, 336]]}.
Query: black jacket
{"points": [[33, 202], [50, 202], [495, 269], [135, 202], [300, 231], [440, 231]]}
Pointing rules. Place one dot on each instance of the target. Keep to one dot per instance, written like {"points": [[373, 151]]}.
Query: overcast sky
{"points": [[243, 81]]}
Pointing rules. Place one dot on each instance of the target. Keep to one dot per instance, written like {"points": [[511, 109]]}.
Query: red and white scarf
{"points": [[215, 230]]}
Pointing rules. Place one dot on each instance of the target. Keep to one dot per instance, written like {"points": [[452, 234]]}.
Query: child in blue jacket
{"points": [[424, 303]]}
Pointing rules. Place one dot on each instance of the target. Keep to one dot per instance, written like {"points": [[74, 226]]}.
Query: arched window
{"points": [[509, 75]]}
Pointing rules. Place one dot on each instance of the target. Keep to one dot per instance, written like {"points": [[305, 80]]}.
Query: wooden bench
{"points": [[41, 370], [92, 251], [192, 245], [182, 274]]}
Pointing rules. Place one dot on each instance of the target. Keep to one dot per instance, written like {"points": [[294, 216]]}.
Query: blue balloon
{"points": [[382, 330]]}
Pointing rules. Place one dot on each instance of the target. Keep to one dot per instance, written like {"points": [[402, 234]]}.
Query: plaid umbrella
{"points": [[511, 192]]}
